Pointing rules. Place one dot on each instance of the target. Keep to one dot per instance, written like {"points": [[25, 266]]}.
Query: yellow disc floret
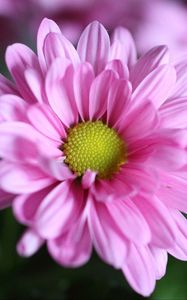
{"points": [[94, 146]]}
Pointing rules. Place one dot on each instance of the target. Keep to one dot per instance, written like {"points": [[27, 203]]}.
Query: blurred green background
{"points": [[39, 277]]}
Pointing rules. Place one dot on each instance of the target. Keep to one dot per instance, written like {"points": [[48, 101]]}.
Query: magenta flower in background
{"points": [[152, 23], [14, 15]]}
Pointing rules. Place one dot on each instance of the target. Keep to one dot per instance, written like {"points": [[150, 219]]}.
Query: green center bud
{"points": [[94, 146]]}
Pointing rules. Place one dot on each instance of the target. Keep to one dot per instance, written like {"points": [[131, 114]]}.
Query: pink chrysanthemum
{"points": [[94, 146]]}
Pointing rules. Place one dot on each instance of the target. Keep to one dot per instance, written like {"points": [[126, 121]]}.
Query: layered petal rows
{"points": [[133, 218]]}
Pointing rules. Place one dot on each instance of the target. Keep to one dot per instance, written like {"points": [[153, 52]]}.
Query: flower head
{"points": [[94, 146]]}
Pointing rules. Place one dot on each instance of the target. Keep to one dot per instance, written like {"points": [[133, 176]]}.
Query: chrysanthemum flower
{"points": [[94, 146]]}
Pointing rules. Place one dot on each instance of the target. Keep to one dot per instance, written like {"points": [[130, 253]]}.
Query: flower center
{"points": [[94, 146]]}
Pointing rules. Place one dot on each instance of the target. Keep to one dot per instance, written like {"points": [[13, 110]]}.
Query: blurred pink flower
{"points": [[152, 23], [15, 16], [94, 144]]}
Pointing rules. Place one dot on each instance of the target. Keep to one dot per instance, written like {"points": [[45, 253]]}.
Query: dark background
{"points": [[39, 277]]}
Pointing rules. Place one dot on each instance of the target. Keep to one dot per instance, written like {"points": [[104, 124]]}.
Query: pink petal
{"points": [[73, 248], [18, 142], [99, 93], [139, 270], [154, 58], [88, 179], [19, 58], [25, 206], [45, 28], [59, 90], [161, 223], [160, 259], [140, 151], [106, 237], [52, 48], [179, 252], [136, 176], [83, 77], [157, 86], [109, 190], [6, 86], [35, 82], [179, 249], [126, 42], [129, 220], [29, 244], [165, 149], [118, 52], [180, 89], [173, 113], [56, 45], [43, 118], [139, 122], [1, 118], [55, 168], [13, 108], [173, 191], [169, 149], [22, 142], [117, 66], [93, 46], [117, 102], [23, 178], [169, 158], [59, 210]]}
